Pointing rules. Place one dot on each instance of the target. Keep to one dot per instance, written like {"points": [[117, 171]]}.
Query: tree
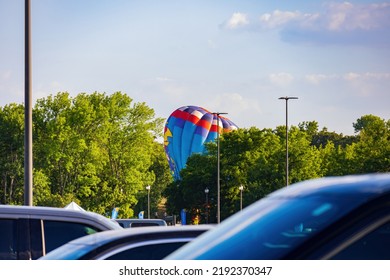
{"points": [[372, 152], [251, 157], [323, 137], [161, 171], [304, 159], [95, 149], [101, 151], [11, 154], [188, 193]]}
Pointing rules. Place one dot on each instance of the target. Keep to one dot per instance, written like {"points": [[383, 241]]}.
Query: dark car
{"points": [[131, 223], [329, 218], [143, 243], [29, 232]]}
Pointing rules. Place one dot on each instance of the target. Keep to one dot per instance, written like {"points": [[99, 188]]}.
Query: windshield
{"points": [[268, 230]]}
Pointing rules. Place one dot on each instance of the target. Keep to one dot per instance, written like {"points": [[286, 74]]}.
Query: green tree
{"points": [[163, 176], [11, 154], [188, 193], [250, 158], [323, 137], [96, 149], [304, 159], [372, 152]]}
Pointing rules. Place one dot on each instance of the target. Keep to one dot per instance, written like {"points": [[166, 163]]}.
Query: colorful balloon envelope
{"points": [[187, 130]]}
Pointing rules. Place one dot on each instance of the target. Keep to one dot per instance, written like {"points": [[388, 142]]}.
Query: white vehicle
{"points": [[29, 232]]}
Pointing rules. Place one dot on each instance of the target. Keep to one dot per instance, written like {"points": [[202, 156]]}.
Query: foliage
{"points": [[101, 151], [94, 149], [11, 154], [256, 159]]}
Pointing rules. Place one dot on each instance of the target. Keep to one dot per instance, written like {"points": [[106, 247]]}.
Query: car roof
{"points": [[52, 213], [109, 236], [367, 185], [108, 239]]}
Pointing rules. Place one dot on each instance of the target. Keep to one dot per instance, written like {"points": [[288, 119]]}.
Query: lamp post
{"points": [[206, 191], [148, 189], [28, 157], [287, 98], [218, 175], [241, 187]]}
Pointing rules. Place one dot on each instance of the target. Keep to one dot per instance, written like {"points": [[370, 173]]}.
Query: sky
{"points": [[233, 56]]}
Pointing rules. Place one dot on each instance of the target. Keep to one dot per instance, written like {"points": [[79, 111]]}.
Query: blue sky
{"points": [[235, 56]]}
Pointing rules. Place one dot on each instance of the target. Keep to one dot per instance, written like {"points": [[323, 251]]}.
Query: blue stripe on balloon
{"points": [[186, 140]]}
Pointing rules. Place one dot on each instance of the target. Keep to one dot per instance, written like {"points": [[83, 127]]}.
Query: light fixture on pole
{"points": [[148, 189], [206, 191], [287, 98], [241, 187], [218, 175]]}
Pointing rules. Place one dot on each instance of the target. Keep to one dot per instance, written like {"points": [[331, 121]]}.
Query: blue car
{"points": [[330, 218]]}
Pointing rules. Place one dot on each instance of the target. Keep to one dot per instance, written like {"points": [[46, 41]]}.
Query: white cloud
{"points": [[237, 106], [237, 20], [345, 23], [316, 78], [336, 17], [378, 76], [163, 79], [348, 16], [352, 76], [279, 18], [281, 79], [366, 76]]}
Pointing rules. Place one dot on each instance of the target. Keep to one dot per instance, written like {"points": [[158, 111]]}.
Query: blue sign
{"points": [[183, 216], [141, 215], [114, 213]]}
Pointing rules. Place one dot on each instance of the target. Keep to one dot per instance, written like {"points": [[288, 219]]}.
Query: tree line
{"points": [[101, 151], [255, 158], [95, 149]]}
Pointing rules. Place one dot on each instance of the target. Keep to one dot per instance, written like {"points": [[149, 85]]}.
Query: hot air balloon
{"points": [[187, 130]]}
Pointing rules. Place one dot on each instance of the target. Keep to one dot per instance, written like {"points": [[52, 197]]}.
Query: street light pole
{"points": [[148, 189], [241, 187], [28, 158], [218, 175], [206, 191], [287, 98]]}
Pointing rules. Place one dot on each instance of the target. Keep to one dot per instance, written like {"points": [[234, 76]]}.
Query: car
{"points": [[346, 217], [143, 243], [130, 223], [29, 232]]}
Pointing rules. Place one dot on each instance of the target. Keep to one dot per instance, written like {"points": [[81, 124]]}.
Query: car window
{"points": [[147, 252], [8, 250], [270, 230], [58, 233], [285, 228], [135, 224], [373, 246]]}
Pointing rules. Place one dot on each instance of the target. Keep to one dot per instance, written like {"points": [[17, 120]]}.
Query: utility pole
{"points": [[287, 98], [28, 159], [218, 171]]}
